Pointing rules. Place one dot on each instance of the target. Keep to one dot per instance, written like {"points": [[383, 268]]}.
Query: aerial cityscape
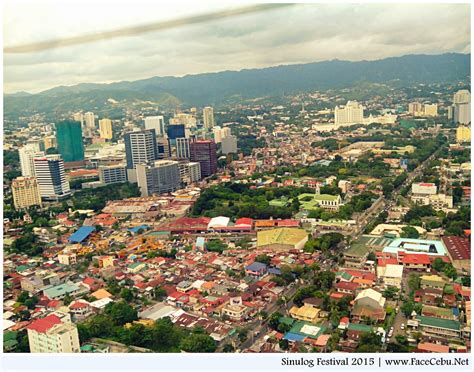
{"points": [[301, 207]]}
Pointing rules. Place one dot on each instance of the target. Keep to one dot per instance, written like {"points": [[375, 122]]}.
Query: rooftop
{"points": [[286, 236]]}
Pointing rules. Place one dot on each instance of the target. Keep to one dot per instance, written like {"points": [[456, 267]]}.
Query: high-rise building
{"points": [[182, 148], [415, 109], [189, 120], [79, 117], [430, 109], [51, 177], [89, 120], [27, 154], [462, 107], [220, 133], [164, 147], [53, 335], [160, 177], [351, 113], [229, 145], [189, 172], [140, 148], [105, 128], [69, 139], [204, 152], [463, 134], [112, 173], [176, 131], [208, 117], [25, 192], [49, 142], [157, 123]]}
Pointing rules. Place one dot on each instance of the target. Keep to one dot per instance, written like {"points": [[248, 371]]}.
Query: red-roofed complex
{"points": [[459, 250]]}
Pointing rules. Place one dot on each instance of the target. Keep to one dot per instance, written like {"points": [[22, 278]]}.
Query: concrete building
{"points": [[140, 148], [105, 129], [89, 120], [182, 148], [430, 109], [189, 172], [49, 142], [208, 117], [229, 145], [189, 120], [282, 239], [220, 133], [462, 107], [161, 177], [204, 153], [25, 192], [157, 123], [53, 335], [27, 154], [415, 109], [351, 113], [423, 188], [51, 177], [78, 116], [390, 275], [113, 174], [463, 134]]}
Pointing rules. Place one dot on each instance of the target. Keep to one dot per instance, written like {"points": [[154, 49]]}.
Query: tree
{"points": [[198, 343], [390, 292], [410, 232], [126, 294], [263, 258], [159, 293], [369, 343], [414, 282], [67, 299], [228, 348], [121, 312], [407, 308]]}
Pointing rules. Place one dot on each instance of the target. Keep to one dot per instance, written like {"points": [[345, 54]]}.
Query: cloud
{"points": [[298, 34]]}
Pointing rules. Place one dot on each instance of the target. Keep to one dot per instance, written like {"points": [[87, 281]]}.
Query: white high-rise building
{"points": [[52, 334], [79, 117], [462, 107], [89, 120], [208, 117], [189, 172], [157, 123], [221, 133], [182, 148], [351, 113], [189, 120], [51, 177], [25, 192], [430, 109], [27, 153], [161, 177]]}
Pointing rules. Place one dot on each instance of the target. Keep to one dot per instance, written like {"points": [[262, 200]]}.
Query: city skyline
{"points": [[249, 41]]}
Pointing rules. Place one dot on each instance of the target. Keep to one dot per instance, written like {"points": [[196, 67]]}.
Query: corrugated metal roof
{"points": [[80, 235]]}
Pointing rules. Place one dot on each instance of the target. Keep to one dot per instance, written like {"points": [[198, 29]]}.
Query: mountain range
{"points": [[231, 86]]}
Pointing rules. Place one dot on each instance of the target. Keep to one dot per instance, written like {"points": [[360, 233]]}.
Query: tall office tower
{"points": [[462, 107], [189, 120], [451, 113], [463, 134], [52, 334], [351, 113], [415, 108], [25, 192], [182, 148], [189, 172], [79, 117], [431, 109], [49, 142], [69, 139], [51, 177], [27, 154], [208, 117], [112, 173], [204, 152], [157, 123], [140, 148], [221, 133], [176, 131], [105, 128], [160, 177], [229, 145], [35, 144], [164, 147], [89, 120]]}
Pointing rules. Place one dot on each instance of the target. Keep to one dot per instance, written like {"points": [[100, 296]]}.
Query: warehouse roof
{"points": [[287, 236], [80, 235]]}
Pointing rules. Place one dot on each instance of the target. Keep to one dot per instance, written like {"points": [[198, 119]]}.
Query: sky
{"points": [[299, 33]]}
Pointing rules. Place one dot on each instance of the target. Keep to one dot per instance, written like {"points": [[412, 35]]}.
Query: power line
{"points": [[138, 30]]}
